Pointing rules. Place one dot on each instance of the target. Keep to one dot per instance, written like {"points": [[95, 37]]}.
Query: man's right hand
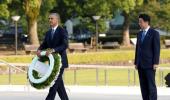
{"points": [[38, 53]]}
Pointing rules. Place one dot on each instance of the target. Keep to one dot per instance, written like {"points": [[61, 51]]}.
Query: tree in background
{"points": [[127, 7], [43, 22], [32, 9], [37, 11], [99, 8], [84, 10], [159, 12], [4, 9], [164, 14], [15, 7], [32, 13], [68, 9]]}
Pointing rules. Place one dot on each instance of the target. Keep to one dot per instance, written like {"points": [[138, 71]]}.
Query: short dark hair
{"points": [[52, 11], [145, 17]]}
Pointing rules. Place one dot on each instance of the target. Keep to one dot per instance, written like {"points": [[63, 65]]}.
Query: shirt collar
{"points": [[54, 28], [146, 30]]}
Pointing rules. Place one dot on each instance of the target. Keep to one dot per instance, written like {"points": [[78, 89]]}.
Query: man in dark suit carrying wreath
{"points": [[56, 41]]}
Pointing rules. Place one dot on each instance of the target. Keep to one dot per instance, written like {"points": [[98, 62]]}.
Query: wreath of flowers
{"points": [[34, 78]]}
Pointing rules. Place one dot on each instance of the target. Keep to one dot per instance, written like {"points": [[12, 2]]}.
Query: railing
{"points": [[75, 68], [130, 69], [9, 69]]}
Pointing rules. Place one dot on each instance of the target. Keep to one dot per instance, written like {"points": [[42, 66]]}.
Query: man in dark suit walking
{"points": [[147, 57], [56, 39]]}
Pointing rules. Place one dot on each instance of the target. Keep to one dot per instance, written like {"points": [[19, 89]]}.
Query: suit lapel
{"points": [[55, 35], [147, 36], [50, 38], [140, 36]]}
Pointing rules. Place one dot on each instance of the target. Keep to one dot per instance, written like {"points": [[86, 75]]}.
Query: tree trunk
{"points": [[32, 9], [126, 39], [32, 31]]}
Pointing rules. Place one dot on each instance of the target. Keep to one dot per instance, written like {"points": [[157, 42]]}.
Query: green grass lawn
{"points": [[88, 76], [115, 77], [105, 57], [15, 79]]}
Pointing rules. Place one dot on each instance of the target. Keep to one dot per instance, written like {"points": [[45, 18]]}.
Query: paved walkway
{"points": [[118, 90], [72, 96], [21, 92]]}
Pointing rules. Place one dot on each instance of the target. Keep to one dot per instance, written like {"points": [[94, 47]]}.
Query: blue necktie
{"points": [[52, 33], [143, 35]]}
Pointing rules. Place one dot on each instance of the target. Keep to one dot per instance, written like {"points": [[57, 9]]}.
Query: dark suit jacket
{"points": [[147, 52], [59, 43]]}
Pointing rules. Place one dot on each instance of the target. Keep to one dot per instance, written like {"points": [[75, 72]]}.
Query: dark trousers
{"points": [[147, 84], [58, 87]]}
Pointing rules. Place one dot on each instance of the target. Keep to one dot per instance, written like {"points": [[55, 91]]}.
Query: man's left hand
{"points": [[155, 67], [49, 51]]}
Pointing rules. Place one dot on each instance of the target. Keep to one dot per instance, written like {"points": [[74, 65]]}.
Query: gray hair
{"points": [[58, 17]]}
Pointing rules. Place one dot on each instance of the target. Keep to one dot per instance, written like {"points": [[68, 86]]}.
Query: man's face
{"points": [[143, 24], [53, 20]]}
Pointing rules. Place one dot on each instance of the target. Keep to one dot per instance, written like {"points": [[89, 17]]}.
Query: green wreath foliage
{"points": [[57, 65]]}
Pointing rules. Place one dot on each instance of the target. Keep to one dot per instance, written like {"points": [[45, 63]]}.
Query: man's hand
{"points": [[49, 51], [155, 67], [38, 53], [136, 67]]}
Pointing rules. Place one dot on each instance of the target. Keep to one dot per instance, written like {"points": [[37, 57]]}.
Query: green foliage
{"points": [[159, 12], [163, 16], [164, 1], [43, 23], [127, 5], [46, 6], [18, 10], [84, 10], [99, 8], [32, 8], [4, 9]]}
